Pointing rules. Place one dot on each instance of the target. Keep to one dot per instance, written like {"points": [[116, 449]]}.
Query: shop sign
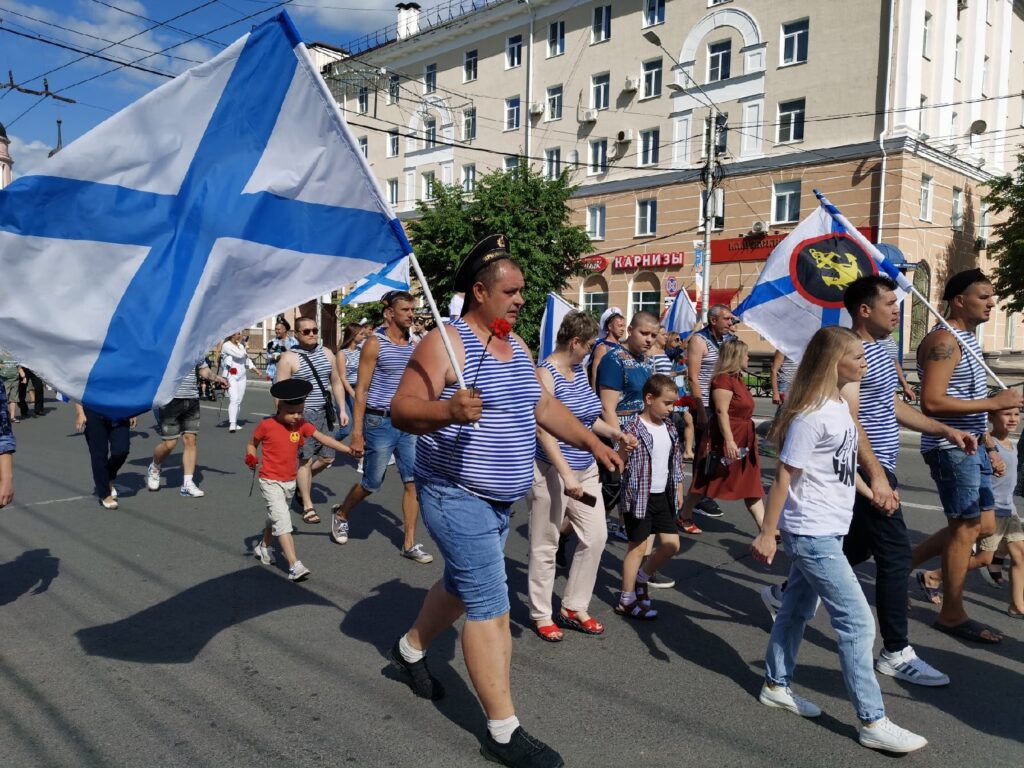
{"points": [[595, 263], [648, 260]]}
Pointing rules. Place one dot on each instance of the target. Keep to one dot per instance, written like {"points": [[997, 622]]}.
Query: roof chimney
{"points": [[408, 19]]}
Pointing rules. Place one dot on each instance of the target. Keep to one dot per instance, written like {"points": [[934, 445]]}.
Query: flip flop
{"points": [[310, 516], [971, 631], [932, 594]]}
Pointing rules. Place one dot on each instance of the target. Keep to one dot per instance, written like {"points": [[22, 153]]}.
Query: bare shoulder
{"points": [[523, 345], [938, 346]]}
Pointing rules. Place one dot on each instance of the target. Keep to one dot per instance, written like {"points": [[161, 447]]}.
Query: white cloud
{"points": [[27, 157], [350, 18]]}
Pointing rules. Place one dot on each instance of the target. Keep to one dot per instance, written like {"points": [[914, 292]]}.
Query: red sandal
{"points": [[589, 627], [549, 632]]}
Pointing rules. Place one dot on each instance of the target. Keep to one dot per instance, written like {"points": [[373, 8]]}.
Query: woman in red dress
{"points": [[727, 465]]}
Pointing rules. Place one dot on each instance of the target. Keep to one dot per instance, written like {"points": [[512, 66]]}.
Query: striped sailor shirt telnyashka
{"points": [[315, 400], [391, 362], [352, 364], [494, 461], [188, 389], [877, 409], [707, 363], [578, 397], [967, 382]]}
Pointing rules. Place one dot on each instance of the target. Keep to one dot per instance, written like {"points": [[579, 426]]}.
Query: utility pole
{"points": [[709, 211]]}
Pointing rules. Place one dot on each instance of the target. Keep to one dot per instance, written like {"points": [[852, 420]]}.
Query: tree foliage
{"points": [[1006, 247], [535, 215]]}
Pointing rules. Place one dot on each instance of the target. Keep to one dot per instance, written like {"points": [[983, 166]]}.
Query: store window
{"points": [[645, 294], [594, 295]]}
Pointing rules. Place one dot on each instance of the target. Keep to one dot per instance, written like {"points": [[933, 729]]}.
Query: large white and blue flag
{"points": [[555, 311], [801, 286], [681, 316], [229, 193]]}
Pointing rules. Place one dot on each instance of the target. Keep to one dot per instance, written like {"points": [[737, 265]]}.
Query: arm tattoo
{"points": [[941, 352]]}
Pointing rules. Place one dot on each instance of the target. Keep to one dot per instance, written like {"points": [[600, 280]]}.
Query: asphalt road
{"points": [[147, 637]]}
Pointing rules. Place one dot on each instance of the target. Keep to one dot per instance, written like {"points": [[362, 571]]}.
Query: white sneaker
{"points": [[784, 698], [153, 477], [191, 490], [298, 572], [263, 553], [359, 467], [771, 596], [906, 666], [417, 553], [884, 734], [339, 530]]}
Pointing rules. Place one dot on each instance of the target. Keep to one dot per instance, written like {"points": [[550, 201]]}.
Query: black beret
{"points": [[961, 281], [291, 390], [489, 250]]}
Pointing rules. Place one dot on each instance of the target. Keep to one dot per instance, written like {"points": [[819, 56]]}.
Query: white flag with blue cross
{"points": [[681, 316], [230, 193]]}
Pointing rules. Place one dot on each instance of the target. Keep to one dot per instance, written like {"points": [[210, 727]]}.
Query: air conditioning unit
{"points": [[589, 115], [632, 84], [759, 227], [537, 108], [624, 137]]}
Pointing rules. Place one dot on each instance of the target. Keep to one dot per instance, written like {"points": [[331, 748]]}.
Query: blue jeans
{"points": [[964, 482], [382, 440], [820, 569], [470, 532]]}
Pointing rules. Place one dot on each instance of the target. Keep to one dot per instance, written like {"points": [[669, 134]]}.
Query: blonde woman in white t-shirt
{"points": [[811, 503]]}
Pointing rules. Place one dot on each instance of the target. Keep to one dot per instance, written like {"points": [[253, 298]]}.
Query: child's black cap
{"points": [[291, 390]]}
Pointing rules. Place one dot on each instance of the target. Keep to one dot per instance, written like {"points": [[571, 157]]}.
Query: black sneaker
{"points": [[423, 684], [523, 751], [657, 580], [708, 508]]}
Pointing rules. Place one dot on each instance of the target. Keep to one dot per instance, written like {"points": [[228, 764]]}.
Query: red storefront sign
{"points": [[595, 263], [648, 260], [715, 295], [756, 247]]}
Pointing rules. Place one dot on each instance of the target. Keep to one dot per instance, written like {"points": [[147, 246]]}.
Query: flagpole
{"points": [[438, 320], [905, 284]]}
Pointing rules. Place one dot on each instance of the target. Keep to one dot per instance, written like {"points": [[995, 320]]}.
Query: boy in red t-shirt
{"points": [[281, 436]]}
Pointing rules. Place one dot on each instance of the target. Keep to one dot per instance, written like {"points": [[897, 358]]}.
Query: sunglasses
{"points": [[307, 331]]}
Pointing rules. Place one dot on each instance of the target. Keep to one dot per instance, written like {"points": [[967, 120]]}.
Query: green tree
{"points": [[531, 210], [1006, 247]]}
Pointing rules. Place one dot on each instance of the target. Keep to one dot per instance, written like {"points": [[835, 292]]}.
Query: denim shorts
{"points": [[964, 481], [381, 440], [178, 417], [470, 532], [313, 449]]}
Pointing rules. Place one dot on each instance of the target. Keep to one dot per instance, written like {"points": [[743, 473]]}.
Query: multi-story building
{"points": [[898, 110]]}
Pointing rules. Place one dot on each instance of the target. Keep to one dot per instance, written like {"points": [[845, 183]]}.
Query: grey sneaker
{"points": [[884, 734], [339, 530], [153, 477], [298, 572], [906, 666], [784, 698], [263, 553], [417, 553]]}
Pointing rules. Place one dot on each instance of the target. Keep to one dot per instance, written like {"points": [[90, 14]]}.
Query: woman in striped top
{"points": [[566, 491], [347, 361], [468, 477]]}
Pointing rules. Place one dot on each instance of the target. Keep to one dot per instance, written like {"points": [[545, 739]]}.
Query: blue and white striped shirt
{"points": [[968, 382], [391, 363], [707, 363], [494, 461], [662, 364], [315, 401], [352, 364], [877, 410], [188, 389], [578, 397]]}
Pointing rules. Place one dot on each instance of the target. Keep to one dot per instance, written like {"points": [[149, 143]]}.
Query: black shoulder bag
{"points": [[328, 400]]}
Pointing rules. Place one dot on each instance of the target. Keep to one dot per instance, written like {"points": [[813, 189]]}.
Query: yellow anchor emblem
{"points": [[843, 265]]}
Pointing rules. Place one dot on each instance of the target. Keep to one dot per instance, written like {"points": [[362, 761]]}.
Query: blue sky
{"points": [[93, 25]]}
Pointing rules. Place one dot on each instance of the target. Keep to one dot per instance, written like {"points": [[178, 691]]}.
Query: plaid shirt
{"points": [[636, 478]]}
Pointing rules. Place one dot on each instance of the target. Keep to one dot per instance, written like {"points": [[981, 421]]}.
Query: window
{"points": [[920, 112], [364, 100], [394, 89], [794, 41], [926, 48], [511, 163], [429, 133], [392, 143], [601, 29], [595, 222], [599, 88], [469, 66], [364, 146], [927, 195], [652, 78], [469, 178], [957, 55], [555, 102], [514, 52], [957, 214], [430, 78], [649, 142], [791, 120], [595, 295], [719, 61], [646, 217], [552, 163], [428, 185], [984, 76], [716, 208], [512, 113], [556, 38], [469, 125], [599, 156], [393, 191], [654, 12], [786, 202], [645, 295]]}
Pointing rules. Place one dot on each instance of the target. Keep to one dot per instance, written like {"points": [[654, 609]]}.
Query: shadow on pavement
{"points": [[31, 572], [176, 630]]}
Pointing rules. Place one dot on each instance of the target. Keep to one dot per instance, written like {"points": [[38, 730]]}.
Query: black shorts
{"points": [[660, 518]]}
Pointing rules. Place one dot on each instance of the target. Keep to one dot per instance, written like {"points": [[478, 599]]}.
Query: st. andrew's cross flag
{"points": [[801, 286], [229, 193], [555, 311], [681, 316]]}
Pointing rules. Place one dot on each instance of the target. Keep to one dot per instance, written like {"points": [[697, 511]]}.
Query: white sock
{"points": [[408, 651], [627, 598], [187, 480], [642, 576], [501, 730]]}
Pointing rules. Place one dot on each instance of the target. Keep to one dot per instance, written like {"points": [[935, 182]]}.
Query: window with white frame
{"points": [[721, 134], [429, 133], [957, 214], [556, 38], [469, 66], [646, 217], [794, 41], [595, 295], [654, 12], [645, 295], [791, 120], [429, 190], [595, 222], [926, 36], [957, 56], [364, 145], [652, 78], [927, 197], [392, 192], [469, 124], [511, 163], [552, 163], [719, 61], [600, 85], [394, 89], [430, 78], [598, 156], [650, 141], [601, 28], [364, 100], [716, 208], [514, 52], [469, 178], [392, 143], [554, 102], [512, 113], [786, 202]]}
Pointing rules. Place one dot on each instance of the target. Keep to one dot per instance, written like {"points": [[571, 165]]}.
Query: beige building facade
{"points": [[898, 110]]}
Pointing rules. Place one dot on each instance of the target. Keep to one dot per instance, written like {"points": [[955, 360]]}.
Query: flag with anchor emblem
{"points": [[231, 192]]}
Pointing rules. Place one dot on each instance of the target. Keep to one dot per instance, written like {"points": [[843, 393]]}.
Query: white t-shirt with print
{"points": [[661, 452], [822, 444]]}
